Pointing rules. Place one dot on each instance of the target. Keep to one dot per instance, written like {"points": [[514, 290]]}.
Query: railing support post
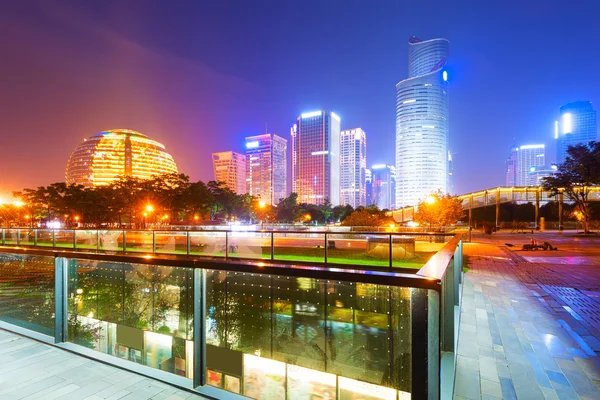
{"points": [[326, 246], [390, 252], [97, 239], [199, 327], [226, 244], [124, 241], [3, 234], [272, 246], [18, 237], [188, 241], [74, 239], [35, 237], [61, 267], [53, 237], [153, 242]]}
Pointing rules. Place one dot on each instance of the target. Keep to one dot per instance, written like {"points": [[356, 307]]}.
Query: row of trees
{"points": [[576, 176], [169, 199]]}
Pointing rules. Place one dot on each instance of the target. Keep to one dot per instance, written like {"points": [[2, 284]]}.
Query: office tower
{"points": [[511, 167], [537, 173], [353, 162], [315, 157], [384, 186], [422, 123], [369, 186], [108, 155], [266, 167], [230, 167], [576, 125], [532, 155]]}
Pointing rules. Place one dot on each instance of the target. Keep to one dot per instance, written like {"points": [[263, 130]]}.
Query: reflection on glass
{"points": [[139, 241], [27, 292], [264, 378], [140, 313]]}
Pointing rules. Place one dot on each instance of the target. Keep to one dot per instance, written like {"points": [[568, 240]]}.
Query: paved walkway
{"points": [[530, 320], [33, 370]]}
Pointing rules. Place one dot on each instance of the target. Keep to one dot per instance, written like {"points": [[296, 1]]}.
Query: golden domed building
{"points": [[107, 155]]}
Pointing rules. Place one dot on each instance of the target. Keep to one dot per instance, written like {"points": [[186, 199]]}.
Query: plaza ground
{"points": [[530, 320]]}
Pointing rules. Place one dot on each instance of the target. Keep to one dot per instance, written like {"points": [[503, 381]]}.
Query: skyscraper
{"points": [[230, 167], [384, 186], [353, 162], [266, 167], [369, 186], [315, 157], [511, 167], [577, 125], [529, 156], [422, 122]]}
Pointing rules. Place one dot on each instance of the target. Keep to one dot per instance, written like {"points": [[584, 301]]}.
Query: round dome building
{"points": [[107, 155]]}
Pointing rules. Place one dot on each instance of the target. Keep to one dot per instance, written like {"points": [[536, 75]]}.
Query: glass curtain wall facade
{"points": [[369, 186], [422, 123], [511, 167], [384, 186], [528, 157], [107, 155], [266, 167], [577, 125], [353, 163], [230, 167], [315, 157]]}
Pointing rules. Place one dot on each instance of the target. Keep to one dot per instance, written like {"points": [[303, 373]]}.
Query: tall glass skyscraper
{"points": [[384, 186], [511, 167], [528, 157], [316, 157], [266, 167], [576, 125], [230, 167], [353, 163], [422, 123]]}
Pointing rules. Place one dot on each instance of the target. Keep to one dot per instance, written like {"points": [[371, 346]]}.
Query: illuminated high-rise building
{"points": [[108, 155], [422, 123], [230, 167], [528, 157], [511, 167], [353, 163], [315, 157], [577, 125], [384, 186], [369, 186], [266, 167]]}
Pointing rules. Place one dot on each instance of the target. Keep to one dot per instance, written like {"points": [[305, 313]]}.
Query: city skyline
{"points": [[185, 93]]}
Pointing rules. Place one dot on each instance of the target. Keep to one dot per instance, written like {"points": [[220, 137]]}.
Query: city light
{"points": [[532, 146], [409, 101], [445, 76], [18, 203], [262, 204], [252, 145], [149, 208], [319, 153], [378, 166], [555, 129], [567, 123], [430, 199], [311, 114]]}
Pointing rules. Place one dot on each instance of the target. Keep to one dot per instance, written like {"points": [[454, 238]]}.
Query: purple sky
{"points": [[198, 76]]}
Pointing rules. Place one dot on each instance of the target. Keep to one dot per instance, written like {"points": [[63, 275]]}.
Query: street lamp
{"points": [[262, 205], [430, 199]]}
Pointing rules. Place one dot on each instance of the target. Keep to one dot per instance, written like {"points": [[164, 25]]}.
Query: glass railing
{"points": [[261, 330], [359, 249]]}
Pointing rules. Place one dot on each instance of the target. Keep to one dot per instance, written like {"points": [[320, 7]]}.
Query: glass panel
{"points": [[207, 243], [27, 237], [401, 361], [11, 236], [171, 242], [433, 343], [111, 240], [139, 241], [250, 245], [86, 240], [27, 292], [363, 250], [64, 238], [45, 237], [142, 313], [308, 247]]}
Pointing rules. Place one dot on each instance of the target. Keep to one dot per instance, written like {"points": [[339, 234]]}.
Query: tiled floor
{"points": [[529, 329], [33, 370]]}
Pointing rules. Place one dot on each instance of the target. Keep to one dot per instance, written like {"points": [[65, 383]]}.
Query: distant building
{"points": [[266, 167], [230, 167], [529, 156], [315, 157], [422, 122], [384, 186], [511, 167], [577, 125], [353, 163], [368, 186], [108, 155], [537, 173]]}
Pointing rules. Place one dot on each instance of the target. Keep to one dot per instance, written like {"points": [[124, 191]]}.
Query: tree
{"points": [[439, 209], [370, 216], [575, 176]]}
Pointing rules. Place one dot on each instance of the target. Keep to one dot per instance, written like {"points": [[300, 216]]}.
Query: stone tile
{"points": [[489, 388], [467, 384], [508, 390]]}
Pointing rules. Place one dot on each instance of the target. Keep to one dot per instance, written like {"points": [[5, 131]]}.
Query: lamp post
{"points": [[149, 211]]}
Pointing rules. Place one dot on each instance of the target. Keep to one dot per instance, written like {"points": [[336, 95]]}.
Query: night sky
{"points": [[200, 75]]}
